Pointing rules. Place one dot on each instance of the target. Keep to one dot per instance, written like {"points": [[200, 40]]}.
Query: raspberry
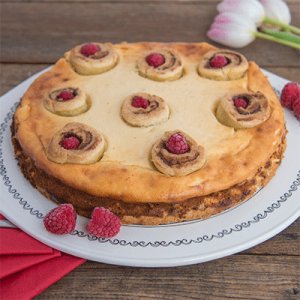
{"points": [[296, 107], [290, 92], [89, 49], [70, 143], [140, 102], [61, 220], [66, 95], [155, 60], [177, 144], [218, 62], [103, 223], [240, 103]]}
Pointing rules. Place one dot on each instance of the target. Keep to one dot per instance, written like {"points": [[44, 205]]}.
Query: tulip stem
{"points": [[274, 39], [282, 25]]}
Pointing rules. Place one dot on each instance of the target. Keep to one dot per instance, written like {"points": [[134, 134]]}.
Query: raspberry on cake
{"points": [[155, 60], [66, 95], [89, 49], [177, 144], [70, 143], [240, 103], [140, 102], [218, 61]]}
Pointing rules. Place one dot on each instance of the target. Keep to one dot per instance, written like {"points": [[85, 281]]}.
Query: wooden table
{"points": [[35, 34]]}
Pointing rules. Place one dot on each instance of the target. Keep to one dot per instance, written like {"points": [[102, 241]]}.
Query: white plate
{"points": [[270, 211]]}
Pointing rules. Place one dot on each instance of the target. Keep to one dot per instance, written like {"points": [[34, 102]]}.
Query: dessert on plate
{"points": [[154, 132]]}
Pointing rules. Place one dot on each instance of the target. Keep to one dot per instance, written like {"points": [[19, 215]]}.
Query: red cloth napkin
{"points": [[28, 267]]}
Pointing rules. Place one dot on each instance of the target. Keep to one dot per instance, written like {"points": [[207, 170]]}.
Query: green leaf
{"points": [[287, 36]]}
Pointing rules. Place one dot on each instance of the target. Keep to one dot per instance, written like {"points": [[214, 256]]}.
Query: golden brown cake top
{"points": [[125, 170]]}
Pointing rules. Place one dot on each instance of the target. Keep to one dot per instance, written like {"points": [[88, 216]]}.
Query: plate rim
{"points": [[148, 263]]}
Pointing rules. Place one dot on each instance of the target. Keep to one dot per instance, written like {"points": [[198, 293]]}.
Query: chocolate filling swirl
{"points": [[236, 67], [177, 159], [252, 106], [256, 111], [177, 164], [231, 57], [171, 69], [55, 94], [153, 105], [67, 107], [156, 112], [100, 54], [90, 149], [169, 62]]}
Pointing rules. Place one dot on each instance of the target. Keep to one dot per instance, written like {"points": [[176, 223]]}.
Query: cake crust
{"points": [[233, 157]]}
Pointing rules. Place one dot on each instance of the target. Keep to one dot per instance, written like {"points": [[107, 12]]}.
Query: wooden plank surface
{"points": [[235, 277], [41, 32], [34, 34]]}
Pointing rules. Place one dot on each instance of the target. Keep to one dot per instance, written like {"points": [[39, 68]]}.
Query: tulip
{"points": [[232, 30], [277, 10], [251, 8], [237, 31]]}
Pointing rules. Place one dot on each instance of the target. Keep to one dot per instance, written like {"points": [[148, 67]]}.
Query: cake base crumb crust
{"points": [[147, 213]]}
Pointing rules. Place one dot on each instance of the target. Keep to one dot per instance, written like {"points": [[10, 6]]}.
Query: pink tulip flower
{"points": [[251, 8], [232, 30]]}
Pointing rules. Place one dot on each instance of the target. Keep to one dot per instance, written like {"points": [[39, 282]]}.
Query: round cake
{"points": [[154, 132]]}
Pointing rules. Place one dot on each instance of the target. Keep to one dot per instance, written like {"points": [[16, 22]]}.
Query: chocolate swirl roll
{"points": [[92, 58], [76, 143], [223, 65], [242, 110], [161, 65], [177, 164], [142, 110], [66, 101]]}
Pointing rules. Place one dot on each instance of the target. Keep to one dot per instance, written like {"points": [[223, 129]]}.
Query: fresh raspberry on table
{"points": [[103, 223], [240, 103], [65, 95], [177, 144], [70, 143], [61, 220], [89, 49], [155, 60], [140, 102], [289, 94], [296, 107], [218, 62]]}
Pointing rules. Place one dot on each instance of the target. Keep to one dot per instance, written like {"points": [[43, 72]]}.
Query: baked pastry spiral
{"points": [[242, 110], [66, 101], [92, 58], [177, 164], [161, 65], [230, 65], [142, 110], [76, 143]]}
